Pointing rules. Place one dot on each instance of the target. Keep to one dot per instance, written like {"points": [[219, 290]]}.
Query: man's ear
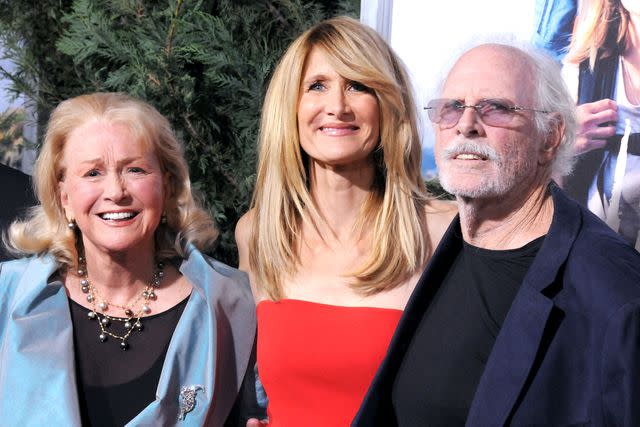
{"points": [[552, 139]]}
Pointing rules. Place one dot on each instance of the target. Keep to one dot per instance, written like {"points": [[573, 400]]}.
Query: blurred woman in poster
{"points": [[605, 50]]}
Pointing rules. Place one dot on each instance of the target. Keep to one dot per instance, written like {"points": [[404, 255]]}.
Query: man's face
{"points": [[477, 160]]}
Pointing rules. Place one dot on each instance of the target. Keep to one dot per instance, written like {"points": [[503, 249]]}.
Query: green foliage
{"points": [[204, 64], [28, 33], [435, 188]]}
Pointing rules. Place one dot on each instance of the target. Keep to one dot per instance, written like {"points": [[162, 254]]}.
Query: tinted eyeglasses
{"points": [[492, 112]]}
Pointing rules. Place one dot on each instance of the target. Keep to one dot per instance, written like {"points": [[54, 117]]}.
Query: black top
{"points": [[114, 385], [443, 364]]}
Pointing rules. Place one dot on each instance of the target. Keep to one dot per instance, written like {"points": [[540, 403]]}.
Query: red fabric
{"points": [[316, 361]]}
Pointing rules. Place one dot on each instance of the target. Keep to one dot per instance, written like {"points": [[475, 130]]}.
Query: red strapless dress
{"points": [[316, 361]]}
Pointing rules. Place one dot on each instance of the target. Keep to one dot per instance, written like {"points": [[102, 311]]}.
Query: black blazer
{"points": [[16, 196], [568, 352]]}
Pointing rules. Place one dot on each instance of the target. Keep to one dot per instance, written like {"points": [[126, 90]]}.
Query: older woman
{"points": [[117, 317], [605, 57], [341, 225]]}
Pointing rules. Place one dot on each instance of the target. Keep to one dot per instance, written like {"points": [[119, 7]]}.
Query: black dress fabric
{"points": [[442, 367], [114, 385]]}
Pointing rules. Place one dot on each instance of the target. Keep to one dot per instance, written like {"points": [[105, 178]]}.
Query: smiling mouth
{"points": [[117, 216], [338, 130], [469, 156]]}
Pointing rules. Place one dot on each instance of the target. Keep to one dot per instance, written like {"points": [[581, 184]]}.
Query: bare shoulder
{"points": [[439, 215], [244, 226], [243, 235]]}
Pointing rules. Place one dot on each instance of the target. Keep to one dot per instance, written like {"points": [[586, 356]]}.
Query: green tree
{"points": [[203, 64]]}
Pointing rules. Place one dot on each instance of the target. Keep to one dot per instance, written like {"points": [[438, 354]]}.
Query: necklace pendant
{"points": [[133, 314]]}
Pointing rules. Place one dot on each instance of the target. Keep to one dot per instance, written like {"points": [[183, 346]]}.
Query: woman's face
{"points": [[338, 119], [113, 188]]}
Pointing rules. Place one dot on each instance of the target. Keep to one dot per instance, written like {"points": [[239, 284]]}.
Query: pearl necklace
{"points": [[99, 305]]}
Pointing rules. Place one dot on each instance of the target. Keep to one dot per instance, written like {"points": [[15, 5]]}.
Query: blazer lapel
{"points": [[200, 380], [190, 361], [511, 359], [519, 341], [38, 368]]}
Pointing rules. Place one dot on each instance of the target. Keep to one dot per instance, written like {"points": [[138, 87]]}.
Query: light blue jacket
{"points": [[210, 347]]}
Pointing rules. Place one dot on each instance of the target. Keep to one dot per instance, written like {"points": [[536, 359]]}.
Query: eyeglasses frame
{"points": [[461, 107]]}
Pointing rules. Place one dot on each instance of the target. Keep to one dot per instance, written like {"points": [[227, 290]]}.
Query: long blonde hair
{"points": [[46, 230], [394, 213], [600, 31]]}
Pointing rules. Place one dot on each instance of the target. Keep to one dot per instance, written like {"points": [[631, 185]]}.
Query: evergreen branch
{"points": [[191, 129], [172, 30], [20, 86], [276, 13]]}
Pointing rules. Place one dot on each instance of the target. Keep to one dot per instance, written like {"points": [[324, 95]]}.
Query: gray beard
{"points": [[505, 181]]}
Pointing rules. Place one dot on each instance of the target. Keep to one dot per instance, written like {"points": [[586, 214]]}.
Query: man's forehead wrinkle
{"points": [[482, 73]]}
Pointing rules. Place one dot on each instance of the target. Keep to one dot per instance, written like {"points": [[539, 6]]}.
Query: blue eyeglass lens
{"points": [[448, 111]]}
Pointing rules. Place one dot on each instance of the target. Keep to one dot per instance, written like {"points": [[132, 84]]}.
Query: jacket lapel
{"points": [[519, 341], [190, 361], [37, 353], [195, 368]]}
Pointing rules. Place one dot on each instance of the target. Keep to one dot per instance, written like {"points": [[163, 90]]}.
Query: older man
{"points": [[529, 312]]}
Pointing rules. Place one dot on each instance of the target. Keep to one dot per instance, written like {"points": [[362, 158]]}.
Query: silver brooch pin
{"points": [[188, 399]]}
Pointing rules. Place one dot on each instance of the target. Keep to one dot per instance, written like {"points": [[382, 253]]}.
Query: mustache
{"points": [[462, 146]]}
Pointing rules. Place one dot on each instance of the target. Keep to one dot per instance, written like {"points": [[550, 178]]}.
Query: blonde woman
{"points": [[114, 316], [604, 70], [341, 226]]}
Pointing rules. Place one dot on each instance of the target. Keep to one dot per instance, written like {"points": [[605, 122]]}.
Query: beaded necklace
{"points": [[99, 305]]}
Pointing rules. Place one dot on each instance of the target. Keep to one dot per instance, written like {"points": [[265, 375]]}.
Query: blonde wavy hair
{"points": [[394, 213], [600, 31], [46, 230]]}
